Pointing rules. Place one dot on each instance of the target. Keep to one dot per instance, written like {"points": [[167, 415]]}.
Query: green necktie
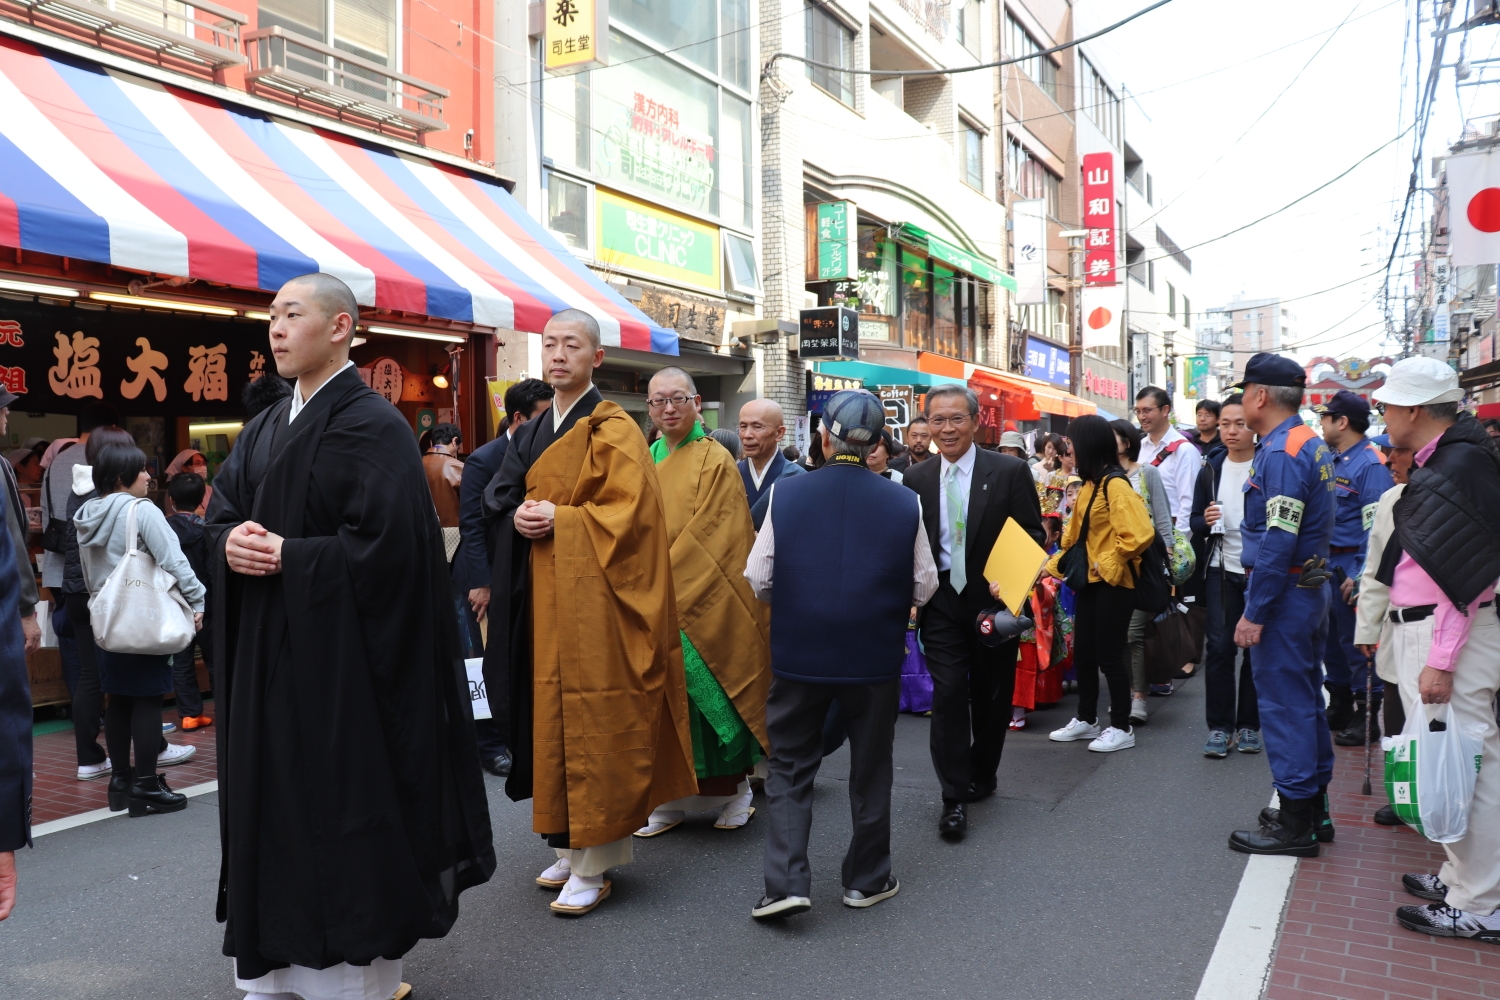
{"points": [[957, 575]]}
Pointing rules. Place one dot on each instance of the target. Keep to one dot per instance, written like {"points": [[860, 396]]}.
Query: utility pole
{"points": [[1075, 238]]}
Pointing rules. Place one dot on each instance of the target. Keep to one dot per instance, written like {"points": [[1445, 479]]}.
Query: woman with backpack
{"points": [[133, 681], [1100, 558]]}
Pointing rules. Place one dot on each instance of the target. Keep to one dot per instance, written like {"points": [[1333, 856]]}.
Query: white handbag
{"points": [[140, 608]]}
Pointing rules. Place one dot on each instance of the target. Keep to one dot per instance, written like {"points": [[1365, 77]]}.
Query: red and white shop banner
{"points": [[1474, 208], [1100, 256]]}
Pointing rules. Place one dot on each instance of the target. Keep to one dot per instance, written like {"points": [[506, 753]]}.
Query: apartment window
{"points": [[1171, 301], [1151, 275], [1101, 104], [1030, 178], [1018, 45], [969, 22], [1187, 313], [973, 154], [365, 28], [739, 264], [828, 41], [568, 211]]}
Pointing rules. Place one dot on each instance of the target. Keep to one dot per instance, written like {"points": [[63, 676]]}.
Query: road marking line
{"points": [[95, 815], [1240, 966]]}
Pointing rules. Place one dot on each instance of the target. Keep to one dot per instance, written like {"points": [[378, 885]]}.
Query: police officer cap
{"points": [[1272, 369], [1344, 404], [854, 415]]}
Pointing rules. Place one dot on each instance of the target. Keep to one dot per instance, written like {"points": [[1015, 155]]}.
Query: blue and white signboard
{"points": [[1047, 362]]}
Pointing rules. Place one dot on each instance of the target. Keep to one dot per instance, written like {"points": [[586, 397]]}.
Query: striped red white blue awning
{"points": [[100, 165]]}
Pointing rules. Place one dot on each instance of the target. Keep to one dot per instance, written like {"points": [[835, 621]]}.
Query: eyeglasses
{"points": [[677, 401], [941, 422], [1141, 411]]}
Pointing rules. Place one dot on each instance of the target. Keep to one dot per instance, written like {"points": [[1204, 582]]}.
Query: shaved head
{"points": [[328, 293], [762, 426], [672, 372], [580, 319], [768, 411]]}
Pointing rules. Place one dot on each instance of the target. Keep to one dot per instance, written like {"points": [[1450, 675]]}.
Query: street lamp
{"points": [[1075, 238]]}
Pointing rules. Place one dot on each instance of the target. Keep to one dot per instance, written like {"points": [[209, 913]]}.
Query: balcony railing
{"points": [[308, 70], [201, 32]]}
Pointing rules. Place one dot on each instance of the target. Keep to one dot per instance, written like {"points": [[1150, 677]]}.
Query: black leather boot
{"points": [[1292, 834], [119, 788], [1354, 733], [1322, 820], [1340, 707], [151, 795]]}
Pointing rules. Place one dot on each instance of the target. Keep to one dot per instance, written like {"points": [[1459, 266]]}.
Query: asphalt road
{"points": [[1090, 875]]}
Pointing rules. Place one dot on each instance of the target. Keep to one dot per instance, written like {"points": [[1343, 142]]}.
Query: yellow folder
{"points": [[1014, 563]]}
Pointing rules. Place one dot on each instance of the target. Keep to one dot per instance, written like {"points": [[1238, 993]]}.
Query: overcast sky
{"points": [[1204, 70]]}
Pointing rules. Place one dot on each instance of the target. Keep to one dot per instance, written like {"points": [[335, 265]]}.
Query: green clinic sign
{"points": [[645, 238], [837, 232]]}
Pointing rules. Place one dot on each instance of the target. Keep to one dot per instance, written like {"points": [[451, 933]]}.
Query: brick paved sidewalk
{"points": [[1340, 938], [57, 792]]}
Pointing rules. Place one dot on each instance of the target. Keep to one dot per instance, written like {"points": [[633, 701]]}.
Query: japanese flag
{"points": [[1474, 207], [1103, 315]]}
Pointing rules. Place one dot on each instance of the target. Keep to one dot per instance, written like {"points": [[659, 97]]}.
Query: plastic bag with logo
{"points": [[1430, 770]]}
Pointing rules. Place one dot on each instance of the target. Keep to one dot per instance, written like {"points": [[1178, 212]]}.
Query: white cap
{"points": [[1419, 381]]}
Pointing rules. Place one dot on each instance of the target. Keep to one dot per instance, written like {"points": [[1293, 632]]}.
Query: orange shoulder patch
{"points": [[1379, 455], [1297, 437]]}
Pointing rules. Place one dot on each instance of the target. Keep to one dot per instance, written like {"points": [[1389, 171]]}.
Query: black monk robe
{"points": [[507, 653], [352, 809]]}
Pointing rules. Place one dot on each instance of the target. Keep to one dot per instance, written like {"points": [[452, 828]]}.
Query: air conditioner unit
{"points": [[1060, 331]]}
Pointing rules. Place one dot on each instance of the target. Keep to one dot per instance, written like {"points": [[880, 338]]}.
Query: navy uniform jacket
{"points": [[759, 499], [1359, 479], [471, 565], [1288, 512]]}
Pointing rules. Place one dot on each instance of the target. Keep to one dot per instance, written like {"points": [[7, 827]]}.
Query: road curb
{"points": [[95, 815]]}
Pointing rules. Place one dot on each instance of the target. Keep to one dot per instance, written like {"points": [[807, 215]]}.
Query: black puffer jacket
{"points": [[1448, 519], [72, 566]]}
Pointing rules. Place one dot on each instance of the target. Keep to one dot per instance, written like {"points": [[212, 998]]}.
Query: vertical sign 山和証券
{"points": [[1099, 259]]}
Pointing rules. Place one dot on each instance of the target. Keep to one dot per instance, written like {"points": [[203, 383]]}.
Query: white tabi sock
{"points": [[562, 868], [736, 812], [581, 890]]}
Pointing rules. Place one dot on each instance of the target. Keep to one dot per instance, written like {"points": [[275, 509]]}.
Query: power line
{"points": [[771, 62]]}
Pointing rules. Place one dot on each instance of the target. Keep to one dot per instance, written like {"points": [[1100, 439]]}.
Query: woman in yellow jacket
{"points": [[1119, 530]]}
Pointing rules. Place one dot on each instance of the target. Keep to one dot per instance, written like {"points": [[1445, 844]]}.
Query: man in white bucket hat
{"points": [[1441, 565]]}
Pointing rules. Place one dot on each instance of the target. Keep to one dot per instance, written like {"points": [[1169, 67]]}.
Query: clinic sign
{"points": [[575, 35], [640, 237]]}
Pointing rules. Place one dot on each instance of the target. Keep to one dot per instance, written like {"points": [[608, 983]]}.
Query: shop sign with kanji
{"points": [[829, 332], [575, 35], [59, 358], [838, 230], [1100, 255]]}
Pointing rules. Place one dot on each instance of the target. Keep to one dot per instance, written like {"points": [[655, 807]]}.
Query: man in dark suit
{"points": [[967, 495], [471, 565], [15, 724]]}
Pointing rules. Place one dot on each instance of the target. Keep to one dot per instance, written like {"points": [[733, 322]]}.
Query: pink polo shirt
{"points": [[1412, 587]]}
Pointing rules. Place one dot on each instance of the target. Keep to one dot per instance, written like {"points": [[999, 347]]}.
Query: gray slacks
{"points": [[795, 713]]}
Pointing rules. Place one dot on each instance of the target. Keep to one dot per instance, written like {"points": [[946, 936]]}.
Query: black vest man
{"points": [[972, 683]]}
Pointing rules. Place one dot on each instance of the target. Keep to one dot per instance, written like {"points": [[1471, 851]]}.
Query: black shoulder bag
{"points": [[55, 531], [1074, 563]]}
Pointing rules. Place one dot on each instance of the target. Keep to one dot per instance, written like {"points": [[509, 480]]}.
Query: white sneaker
{"points": [[1074, 730], [1113, 739], [1138, 709], [736, 813], [87, 771], [175, 753]]}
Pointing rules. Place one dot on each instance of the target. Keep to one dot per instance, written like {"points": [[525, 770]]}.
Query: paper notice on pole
{"points": [[1014, 563], [477, 693]]}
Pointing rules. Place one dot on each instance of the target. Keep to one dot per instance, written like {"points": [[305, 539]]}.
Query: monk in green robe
{"points": [[725, 631]]}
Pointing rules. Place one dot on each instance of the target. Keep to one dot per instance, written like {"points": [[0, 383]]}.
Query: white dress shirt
{"points": [[298, 402], [965, 467], [558, 416], [759, 568], [1179, 474]]}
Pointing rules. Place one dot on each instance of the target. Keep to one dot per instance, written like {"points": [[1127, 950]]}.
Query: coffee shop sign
{"points": [[659, 240]]}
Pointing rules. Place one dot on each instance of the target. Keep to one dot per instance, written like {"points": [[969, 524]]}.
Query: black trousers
{"points": [[488, 732], [1102, 625], [795, 717], [185, 674], [88, 696], [972, 685], [1229, 706]]}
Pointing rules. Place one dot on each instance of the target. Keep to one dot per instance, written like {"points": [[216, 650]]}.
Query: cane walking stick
{"points": [[1369, 710]]}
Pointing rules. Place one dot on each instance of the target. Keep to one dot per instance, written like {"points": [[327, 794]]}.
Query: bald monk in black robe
{"points": [[352, 808]]}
